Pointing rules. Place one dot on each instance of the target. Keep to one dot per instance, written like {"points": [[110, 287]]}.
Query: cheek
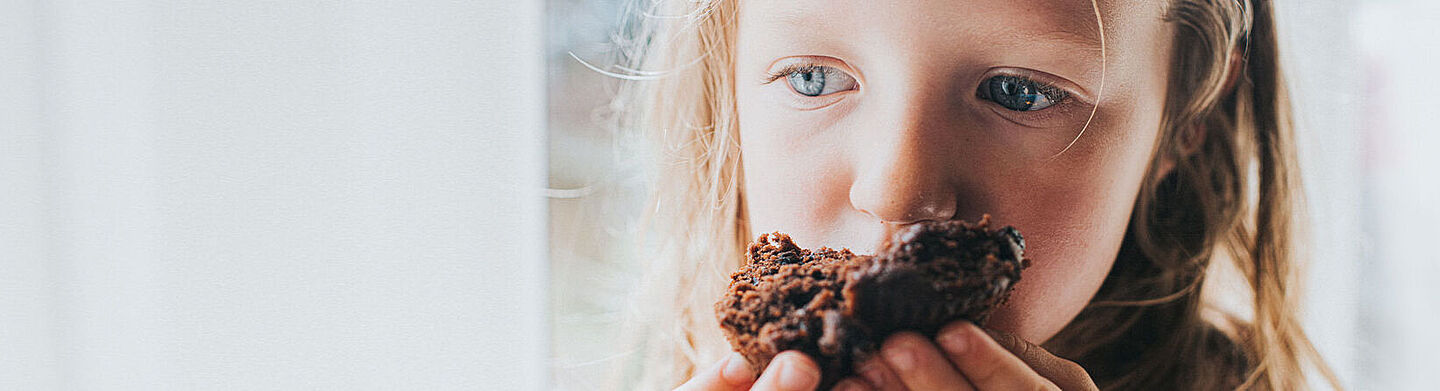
{"points": [[1072, 242], [793, 183], [1073, 213], [797, 199]]}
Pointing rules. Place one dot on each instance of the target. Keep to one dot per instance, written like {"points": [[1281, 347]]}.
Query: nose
{"points": [[910, 175], [902, 194]]}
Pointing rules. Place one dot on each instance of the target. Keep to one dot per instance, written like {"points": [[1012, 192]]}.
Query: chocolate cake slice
{"points": [[837, 307]]}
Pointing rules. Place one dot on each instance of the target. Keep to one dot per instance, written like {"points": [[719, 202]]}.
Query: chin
{"points": [[1034, 318]]}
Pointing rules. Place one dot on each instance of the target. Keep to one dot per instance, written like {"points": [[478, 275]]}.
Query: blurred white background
{"points": [[272, 195]]}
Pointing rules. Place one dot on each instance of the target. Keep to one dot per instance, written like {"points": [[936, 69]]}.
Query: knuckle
{"points": [[1023, 349], [1003, 338]]}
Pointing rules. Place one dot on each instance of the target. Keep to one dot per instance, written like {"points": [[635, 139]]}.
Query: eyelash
{"points": [[1049, 89], [792, 68]]}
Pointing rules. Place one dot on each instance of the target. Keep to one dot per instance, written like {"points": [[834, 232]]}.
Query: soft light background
{"points": [[272, 195], [1363, 77]]}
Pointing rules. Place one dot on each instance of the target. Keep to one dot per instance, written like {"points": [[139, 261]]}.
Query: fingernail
{"points": [[874, 374], [953, 341], [796, 375], [900, 357], [737, 370], [849, 385]]}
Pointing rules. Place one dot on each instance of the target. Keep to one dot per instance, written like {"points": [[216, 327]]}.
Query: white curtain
{"points": [[272, 195]]}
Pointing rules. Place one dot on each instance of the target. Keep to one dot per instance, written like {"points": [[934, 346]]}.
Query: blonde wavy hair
{"points": [[1232, 200]]}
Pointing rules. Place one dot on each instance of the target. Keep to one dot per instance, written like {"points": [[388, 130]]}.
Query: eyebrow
{"points": [[1083, 41]]}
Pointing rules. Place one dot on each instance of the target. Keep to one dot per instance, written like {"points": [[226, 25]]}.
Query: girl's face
{"points": [[857, 117]]}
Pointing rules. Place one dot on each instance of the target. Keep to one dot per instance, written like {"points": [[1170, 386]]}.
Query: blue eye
{"points": [[1019, 93], [812, 80]]}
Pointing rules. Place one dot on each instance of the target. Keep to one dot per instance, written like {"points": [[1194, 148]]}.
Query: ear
{"points": [[1192, 135], [1190, 138], [1236, 68]]}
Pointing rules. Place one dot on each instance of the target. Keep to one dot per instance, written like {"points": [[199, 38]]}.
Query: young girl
{"points": [[1139, 146]]}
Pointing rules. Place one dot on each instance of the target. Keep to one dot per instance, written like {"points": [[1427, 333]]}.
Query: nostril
{"points": [[899, 213], [933, 212]]}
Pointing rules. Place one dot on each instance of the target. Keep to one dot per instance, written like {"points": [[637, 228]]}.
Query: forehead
{"points": [[1052, 34], [1073, 20]]}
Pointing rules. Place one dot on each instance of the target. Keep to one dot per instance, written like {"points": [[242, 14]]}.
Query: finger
{"points": [[986, 364], [919, 365], [789, 371], [852, 384], [878, 374], [1065, 373], [730, 373]]}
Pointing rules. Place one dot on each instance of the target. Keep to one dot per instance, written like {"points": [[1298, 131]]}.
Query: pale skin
{"points": [[941, 110]]}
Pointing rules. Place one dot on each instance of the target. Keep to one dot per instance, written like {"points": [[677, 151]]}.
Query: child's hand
{"points": [[968, 358], [789, 371]]}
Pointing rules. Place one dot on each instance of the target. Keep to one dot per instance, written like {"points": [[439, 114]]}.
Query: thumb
{"points": [[731, 373], [789, 371]]}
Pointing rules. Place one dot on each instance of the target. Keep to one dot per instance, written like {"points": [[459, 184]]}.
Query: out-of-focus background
{"points": [[325, 194], [272, 195], [1363, 76]]}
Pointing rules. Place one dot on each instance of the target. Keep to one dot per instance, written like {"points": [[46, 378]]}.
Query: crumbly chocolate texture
{"points": [[837, 307]]}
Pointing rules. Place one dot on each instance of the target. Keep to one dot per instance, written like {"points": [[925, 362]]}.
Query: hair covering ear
{"points": [[1236, 68], [1192, 135], [1192, 138]]}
